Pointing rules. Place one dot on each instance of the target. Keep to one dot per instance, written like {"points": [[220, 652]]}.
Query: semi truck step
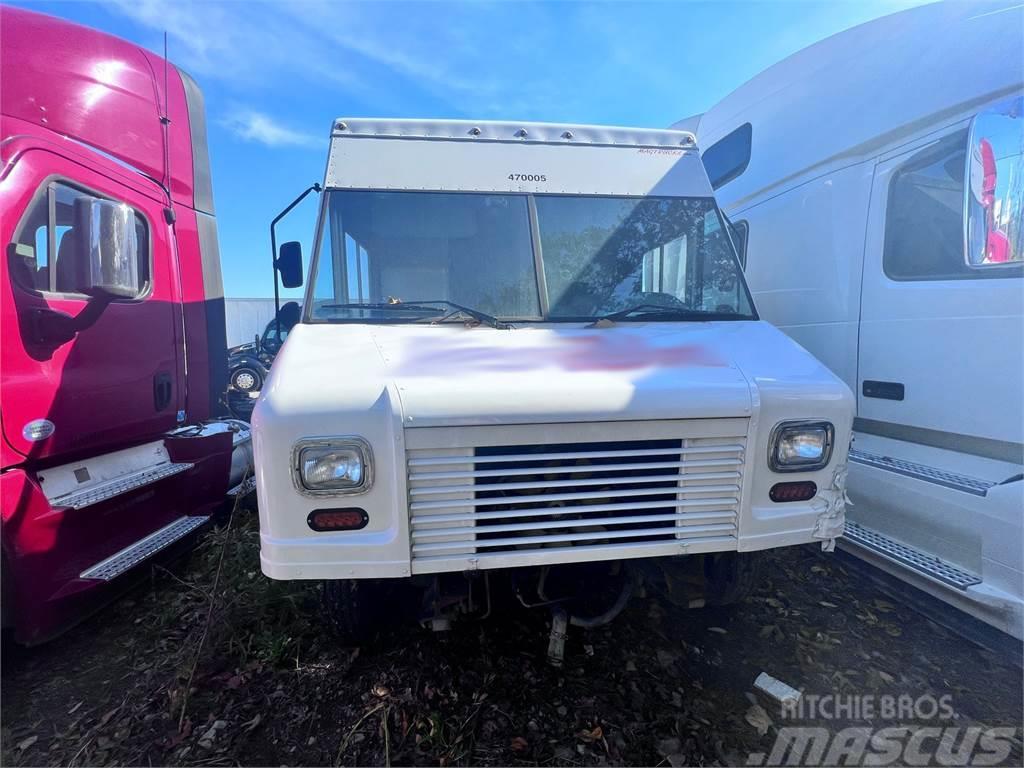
{"points": [[244, 488], [97, 493], [132, 555], [954, 480], [890, 549]]}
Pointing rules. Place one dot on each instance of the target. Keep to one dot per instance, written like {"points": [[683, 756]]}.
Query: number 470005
{"points": [[527, 177]]}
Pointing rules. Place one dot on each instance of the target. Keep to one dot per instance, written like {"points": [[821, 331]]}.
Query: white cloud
{"points": [[478, 59], [248, 44], [483, 59], [259, 127]]}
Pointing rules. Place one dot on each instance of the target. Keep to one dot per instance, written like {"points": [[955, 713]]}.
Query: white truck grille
{"points": [[593, 497]]}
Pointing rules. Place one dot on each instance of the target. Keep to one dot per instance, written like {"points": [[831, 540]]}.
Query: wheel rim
{"points": [[245, 381]]}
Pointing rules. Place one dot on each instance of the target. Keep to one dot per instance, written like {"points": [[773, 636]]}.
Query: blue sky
{"points": [[275, 75]]}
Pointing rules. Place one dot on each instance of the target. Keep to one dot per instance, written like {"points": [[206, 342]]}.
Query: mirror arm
{"points": [[273, 241]]}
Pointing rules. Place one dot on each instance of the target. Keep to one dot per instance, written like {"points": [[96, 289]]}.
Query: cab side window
{"points": [[924, 220], [728, 157], [51, 249], [924, 217], [30, 252]]}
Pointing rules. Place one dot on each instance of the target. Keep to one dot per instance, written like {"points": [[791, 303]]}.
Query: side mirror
{"points": [[289, 264], [107, 232], [995, 165]]}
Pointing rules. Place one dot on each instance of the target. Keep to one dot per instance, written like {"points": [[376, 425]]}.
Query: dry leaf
{"points": [[758, 718]]}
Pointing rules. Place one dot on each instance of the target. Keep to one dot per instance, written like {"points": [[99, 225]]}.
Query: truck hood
{"points": [[453, 375]]}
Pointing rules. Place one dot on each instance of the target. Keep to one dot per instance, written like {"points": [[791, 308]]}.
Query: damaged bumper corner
{"points": [[831, 507]]}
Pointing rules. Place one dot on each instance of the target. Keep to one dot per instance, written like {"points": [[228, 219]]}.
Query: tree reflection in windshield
{"points": [[602, 255]]}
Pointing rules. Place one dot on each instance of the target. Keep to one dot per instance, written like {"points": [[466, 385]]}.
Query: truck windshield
{"points": [[597, 256]]}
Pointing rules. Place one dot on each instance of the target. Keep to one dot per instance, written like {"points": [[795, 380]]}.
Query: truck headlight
{"points": [[800, 446], [332, 466]]}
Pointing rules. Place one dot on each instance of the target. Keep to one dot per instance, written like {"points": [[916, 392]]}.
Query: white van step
{"points": [[932, 566], [97, 493], [132, 555]]}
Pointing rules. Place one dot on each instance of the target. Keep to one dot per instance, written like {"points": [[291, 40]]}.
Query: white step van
{"points": [[876, 184], [530, 347]]}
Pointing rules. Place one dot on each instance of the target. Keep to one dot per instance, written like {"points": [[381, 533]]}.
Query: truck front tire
{"points": [[349, 609], [731, 576], [711, 579]]}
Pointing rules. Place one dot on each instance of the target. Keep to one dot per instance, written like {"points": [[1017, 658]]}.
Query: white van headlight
{"points": [[332, 466], [800, 446]]}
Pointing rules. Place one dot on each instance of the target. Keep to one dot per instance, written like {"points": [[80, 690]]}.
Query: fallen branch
{"points": [[209, 612]]}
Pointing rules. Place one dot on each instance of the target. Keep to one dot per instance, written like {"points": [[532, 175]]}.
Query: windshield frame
{"points": [[538, 262]]}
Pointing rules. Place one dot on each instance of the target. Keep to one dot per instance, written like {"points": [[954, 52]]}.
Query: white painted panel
{"points": [[804, 259], [460, 165]]}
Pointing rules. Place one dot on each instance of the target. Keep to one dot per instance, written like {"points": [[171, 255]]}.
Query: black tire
{"points": [[711, 579], [352, 609], [732, 576]]}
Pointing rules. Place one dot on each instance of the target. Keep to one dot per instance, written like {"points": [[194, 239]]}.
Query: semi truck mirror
{"points": [[108, 234], [289, 264], [995, 164]]}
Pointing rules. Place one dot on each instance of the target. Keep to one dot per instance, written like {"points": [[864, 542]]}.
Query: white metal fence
{"points": [[244, 318]]}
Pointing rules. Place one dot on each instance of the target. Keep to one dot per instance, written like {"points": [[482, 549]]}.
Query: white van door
{"points": [[937, 456], [941, 342]]}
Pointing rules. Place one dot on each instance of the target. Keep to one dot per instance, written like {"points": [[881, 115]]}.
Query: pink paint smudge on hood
{"points": [[597, 351]]}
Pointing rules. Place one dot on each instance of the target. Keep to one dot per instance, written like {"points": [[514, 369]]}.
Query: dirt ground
{"points": [[661, 685]]}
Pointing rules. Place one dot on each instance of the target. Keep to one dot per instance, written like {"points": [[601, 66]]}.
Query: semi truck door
{"points": [[91, 345], [941, 334]]}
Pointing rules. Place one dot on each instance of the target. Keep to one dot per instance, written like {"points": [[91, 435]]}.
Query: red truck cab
{"points": [[113, 357]]}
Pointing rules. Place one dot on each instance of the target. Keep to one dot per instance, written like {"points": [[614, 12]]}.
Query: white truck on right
{"points": [[875, 183]]}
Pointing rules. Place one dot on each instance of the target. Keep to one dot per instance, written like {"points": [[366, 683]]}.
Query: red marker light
{"points": [[801, 491], [349, 519]]}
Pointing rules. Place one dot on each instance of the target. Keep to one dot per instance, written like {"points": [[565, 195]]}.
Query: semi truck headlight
{"points": [[800, 446], [332, 466]]}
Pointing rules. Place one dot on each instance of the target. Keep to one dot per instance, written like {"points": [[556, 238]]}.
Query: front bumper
{"points": [[485, 497]]}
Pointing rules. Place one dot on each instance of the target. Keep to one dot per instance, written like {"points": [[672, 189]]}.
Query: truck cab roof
{"points": [[62, 79]]}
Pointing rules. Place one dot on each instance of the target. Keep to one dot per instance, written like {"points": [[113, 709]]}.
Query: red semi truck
{"points": [[113, 356]]}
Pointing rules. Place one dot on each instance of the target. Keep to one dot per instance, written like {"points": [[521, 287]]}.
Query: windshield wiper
{"points": [[424, 306], [662, 312]]}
